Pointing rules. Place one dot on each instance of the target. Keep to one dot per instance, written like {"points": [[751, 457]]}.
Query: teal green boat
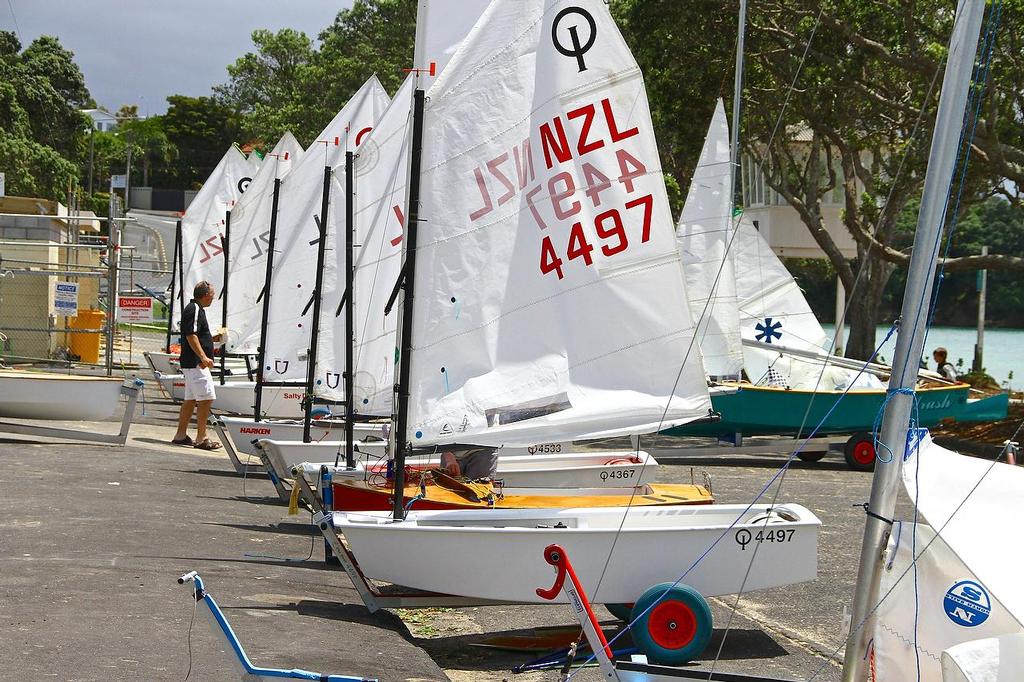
{"points": [[767, 410]]}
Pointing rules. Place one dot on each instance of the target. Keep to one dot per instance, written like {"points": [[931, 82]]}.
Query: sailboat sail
{"points": [[441, 26], [703, 234], [550, 301], [773, 310], [202, 228], [249, 241], [293, 281], [380, 170], [966, 585]]}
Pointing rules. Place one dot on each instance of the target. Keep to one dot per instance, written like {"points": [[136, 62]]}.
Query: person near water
{"points": [[196, 361], [945, 367]]}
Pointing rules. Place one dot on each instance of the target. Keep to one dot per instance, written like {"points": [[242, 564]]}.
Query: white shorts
{"points": [[198, 384]]}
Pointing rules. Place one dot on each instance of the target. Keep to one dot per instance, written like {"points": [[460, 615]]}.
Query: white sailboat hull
{"points": [[239, 397], [497, 554], [608, 469], [31, 395], [244, 431], [161, 362], [172, 385]]}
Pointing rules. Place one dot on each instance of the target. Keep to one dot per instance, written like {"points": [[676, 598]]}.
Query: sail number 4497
{"points": [[609, 225]]}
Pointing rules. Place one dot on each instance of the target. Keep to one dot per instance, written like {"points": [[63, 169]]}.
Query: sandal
{"points": [[207, 444], [187, 440]]}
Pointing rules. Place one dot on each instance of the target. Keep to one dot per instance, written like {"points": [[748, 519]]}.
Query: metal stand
{"points": [[229, 447], [120, 438]]}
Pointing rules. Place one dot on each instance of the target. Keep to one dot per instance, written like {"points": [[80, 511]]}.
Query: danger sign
{"points": [[134, 308]]}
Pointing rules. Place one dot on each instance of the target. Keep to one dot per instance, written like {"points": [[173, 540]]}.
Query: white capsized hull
{"points": [[168, 363], [497, 553], [244, 431], [161, 362], [608, 469], [39, 395], [239, 397]]}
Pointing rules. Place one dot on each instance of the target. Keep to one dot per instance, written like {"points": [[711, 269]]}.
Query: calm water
{"points": [[1004, 349]]}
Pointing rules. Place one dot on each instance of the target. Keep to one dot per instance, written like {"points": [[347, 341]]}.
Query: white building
{"points": [[102, 120]]}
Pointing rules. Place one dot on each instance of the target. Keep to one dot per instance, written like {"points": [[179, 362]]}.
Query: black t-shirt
{"points": [[193, 321]]}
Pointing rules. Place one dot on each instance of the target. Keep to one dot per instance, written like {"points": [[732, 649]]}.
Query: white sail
{"points": [[202, 229], [380, 170], [248, 245], [441, 26], [703, 234], [966, 585], [550, 302], [294, 277]]}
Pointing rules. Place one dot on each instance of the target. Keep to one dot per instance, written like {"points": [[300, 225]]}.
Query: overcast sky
{"points": [[141, 51]]}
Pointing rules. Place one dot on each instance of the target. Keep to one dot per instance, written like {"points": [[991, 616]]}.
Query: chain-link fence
{"points": [[60, 282]]}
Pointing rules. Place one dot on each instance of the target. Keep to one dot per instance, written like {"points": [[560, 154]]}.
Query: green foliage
{"points": [[995, 223], [198, 130], [287, 84], [269, 89], [685, 52], [42, 132]]}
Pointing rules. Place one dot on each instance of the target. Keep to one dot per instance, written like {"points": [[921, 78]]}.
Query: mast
{"points": [[261, 350], [350, 333], [314, 334], [225, 242], [181, 268], [174, 282], [400, 420], [910, 343], [408, 291], [737, 94]]}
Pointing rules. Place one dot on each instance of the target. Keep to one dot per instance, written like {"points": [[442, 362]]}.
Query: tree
{"points": [[201, 129], [850, 123], [372, 37], [42, 131], [288, 85], [150, 143], [270, 88]]}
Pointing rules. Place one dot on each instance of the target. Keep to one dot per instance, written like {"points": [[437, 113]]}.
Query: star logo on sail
{"points": [[768, 330]]}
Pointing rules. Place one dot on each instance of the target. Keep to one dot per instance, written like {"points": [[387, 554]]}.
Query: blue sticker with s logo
{"points": [[967, 604]]}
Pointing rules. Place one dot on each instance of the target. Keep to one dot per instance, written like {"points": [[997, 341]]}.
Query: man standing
{"points": [[196, 361]]}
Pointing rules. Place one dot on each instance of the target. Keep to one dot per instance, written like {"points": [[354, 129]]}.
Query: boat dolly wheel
{"points": [[859, 451], [676, 629]]}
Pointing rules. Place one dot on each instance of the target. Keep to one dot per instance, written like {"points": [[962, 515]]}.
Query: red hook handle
{"points": [[554, 555]]}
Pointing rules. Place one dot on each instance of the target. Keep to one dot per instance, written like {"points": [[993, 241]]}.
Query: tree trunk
{"points": [[863, 309]]}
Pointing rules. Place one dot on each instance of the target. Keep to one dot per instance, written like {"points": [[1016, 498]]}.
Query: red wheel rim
{"points": [[672, 624], [864, 452]]}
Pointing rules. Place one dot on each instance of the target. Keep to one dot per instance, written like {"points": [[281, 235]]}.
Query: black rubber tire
{"points": [[859, 452], [812, 456]]}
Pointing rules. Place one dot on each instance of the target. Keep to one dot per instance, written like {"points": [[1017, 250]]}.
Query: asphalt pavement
{"points": [[94, 537]]}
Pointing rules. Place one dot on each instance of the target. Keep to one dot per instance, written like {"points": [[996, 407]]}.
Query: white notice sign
{"points": [[134, 309], [65, 298]]}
